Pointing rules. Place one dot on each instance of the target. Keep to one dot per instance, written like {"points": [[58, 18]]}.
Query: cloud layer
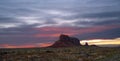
{"points": [[28, 21], [58, 13]]}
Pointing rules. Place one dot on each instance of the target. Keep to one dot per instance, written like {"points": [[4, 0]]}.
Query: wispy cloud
{"points": [[43, 13], [43, 20]]}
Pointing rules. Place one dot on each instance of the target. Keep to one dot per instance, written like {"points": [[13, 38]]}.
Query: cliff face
{"points": [[66, 41]]}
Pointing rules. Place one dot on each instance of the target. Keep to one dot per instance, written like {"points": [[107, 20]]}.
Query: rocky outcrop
{"points": [[66, 41], [86, 44]]}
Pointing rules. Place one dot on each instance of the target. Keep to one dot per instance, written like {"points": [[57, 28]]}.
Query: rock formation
{"points": [[86, 44], [66, 41]]}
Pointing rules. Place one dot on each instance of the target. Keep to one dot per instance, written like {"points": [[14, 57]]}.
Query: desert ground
{"points": [[82, 53]]}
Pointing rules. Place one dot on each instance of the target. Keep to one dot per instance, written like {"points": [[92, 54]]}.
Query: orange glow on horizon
{"points": [[102, 41], [16, 46], [27, 45], [44, 44]]}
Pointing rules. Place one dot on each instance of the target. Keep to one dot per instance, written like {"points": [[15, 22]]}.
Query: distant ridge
{"points": [[66, 41]]}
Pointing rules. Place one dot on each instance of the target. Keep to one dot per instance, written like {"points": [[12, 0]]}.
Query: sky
{"points": [[103, 42], [38, 23]]}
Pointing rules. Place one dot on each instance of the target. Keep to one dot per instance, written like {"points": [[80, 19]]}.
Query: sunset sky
{"points": [[38, 23]]}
